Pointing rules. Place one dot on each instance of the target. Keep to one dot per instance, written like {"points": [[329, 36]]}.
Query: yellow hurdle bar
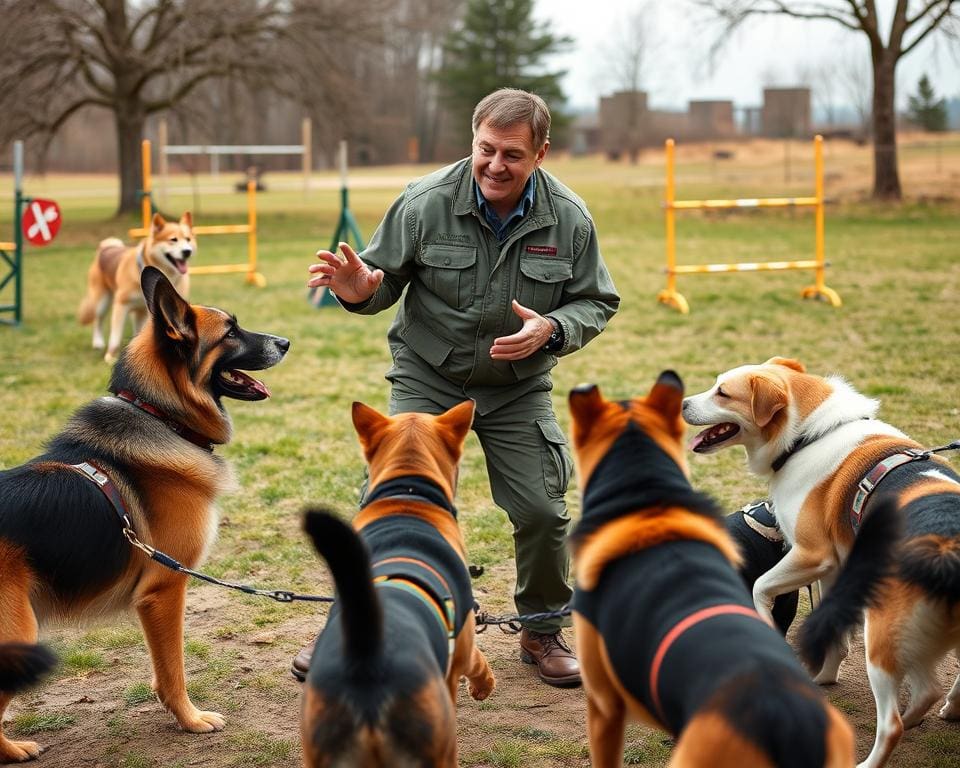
{"points": [[672, 297], [764, 202], [7, 246], [249, 229]]}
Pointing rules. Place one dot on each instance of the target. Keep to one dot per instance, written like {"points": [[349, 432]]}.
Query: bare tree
{"points": [[135, 59], [911, 22], [853, 80], [627, 61]]}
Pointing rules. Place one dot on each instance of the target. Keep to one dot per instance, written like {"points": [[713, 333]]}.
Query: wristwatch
{"points": [[555, 342]]}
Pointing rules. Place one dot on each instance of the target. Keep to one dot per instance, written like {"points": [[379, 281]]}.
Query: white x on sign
{"points": [[41, 220]]}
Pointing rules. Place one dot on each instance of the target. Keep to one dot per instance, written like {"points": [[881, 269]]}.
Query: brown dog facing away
{"points": [[144, 452], [114, 277], [382, 687], [666, 631], [833, 466]]}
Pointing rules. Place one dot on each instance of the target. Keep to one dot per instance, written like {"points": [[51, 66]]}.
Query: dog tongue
{"points": [[697, 441], [181, 266], [242, 386]]}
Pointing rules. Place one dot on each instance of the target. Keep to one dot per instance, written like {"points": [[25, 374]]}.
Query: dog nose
{"points": [[283, 344], [186, 253]]}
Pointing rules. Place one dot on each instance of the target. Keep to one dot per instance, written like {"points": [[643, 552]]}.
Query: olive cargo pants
{"points": [[529, 467]]}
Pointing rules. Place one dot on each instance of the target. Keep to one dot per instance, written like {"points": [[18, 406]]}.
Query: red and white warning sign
{"points": [[41, 221]]}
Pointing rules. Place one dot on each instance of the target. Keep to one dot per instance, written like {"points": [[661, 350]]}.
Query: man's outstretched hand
{"points": [[348, 277], [531, 337]]}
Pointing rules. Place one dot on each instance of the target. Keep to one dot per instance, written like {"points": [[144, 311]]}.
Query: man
{"points": [[503, 274]]}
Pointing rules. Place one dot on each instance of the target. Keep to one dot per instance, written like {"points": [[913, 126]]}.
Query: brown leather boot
{"points": [[301, 662], [556, 663]]}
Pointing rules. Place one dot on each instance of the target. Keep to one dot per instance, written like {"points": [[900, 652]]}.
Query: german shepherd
{"points": [[666, 631], [147, 450], [114, 277], [382, 685]]}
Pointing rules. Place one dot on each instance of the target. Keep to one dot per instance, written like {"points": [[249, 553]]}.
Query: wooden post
{"points": [[306, 131]]}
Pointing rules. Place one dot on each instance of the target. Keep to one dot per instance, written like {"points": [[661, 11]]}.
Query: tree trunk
{"points": [[130, 127], [886, 176]]}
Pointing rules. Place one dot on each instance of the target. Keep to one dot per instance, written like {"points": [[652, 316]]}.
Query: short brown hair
{"points": [[511, 106]]}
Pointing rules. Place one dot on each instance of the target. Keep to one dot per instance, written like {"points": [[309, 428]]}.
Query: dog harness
{"points": [[872, 479], [411, 555]]}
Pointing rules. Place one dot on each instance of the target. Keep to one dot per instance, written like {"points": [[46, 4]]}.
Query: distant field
{"points": [[896, 337]]}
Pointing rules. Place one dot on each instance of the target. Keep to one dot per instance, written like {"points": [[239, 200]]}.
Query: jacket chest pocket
{"points": [[541, 281], [450, 272]]}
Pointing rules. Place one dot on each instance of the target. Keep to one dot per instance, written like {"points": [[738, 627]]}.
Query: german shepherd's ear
{"points": [[369, 424], [455, 425], [666, 395], [586, 404], [173, 318], [186, 220], [787, 362], [158, 223], [767, 397]]}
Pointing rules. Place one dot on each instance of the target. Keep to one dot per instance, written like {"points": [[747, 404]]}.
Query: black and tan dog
{"points": [[147, 450], [666, 632], [382, 686]]}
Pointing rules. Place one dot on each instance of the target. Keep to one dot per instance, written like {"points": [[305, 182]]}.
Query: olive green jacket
{"points": [[459, 283]]}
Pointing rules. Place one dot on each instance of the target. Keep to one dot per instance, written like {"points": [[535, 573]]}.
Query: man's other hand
{"points": [[530, 338]]}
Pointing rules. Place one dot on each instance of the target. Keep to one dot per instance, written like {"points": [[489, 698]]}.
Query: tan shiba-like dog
{"points": [[666, 631], [382, 686], [821, 446], [114, 277]]}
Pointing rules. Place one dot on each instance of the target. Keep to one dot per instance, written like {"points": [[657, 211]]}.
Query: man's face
{"points": [[503, 160]]}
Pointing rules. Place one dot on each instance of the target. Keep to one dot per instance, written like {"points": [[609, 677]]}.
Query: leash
{"points": [[511, 623], [106, 486]]}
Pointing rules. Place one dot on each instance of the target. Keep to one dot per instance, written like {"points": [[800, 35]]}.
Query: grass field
{"points": [[896, 267]]}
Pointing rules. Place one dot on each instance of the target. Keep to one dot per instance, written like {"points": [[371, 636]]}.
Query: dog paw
{"points": [[110, 358], [949, 712], [826, 678], [18, 751], [101, 344], [203, 722], [484, 688]]}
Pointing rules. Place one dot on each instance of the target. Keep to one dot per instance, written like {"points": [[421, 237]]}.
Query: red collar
{"points": [[181, 429]]}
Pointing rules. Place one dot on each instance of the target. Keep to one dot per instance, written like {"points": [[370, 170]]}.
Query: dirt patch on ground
{"points": [[100, 718]]}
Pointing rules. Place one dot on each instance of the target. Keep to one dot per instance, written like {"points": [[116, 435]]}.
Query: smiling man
{"points": [[503, 274]]}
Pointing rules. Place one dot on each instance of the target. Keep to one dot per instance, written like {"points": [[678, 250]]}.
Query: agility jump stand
{"points": [[346, 226], [818, 290], [249, 229], [12, 253]]}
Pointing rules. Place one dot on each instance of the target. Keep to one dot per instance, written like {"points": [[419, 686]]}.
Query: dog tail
{"points": [[349, 562], [857, 585], [930, 557], [23, 664]]}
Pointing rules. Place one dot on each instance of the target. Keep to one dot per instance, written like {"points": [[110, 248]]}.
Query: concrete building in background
{"points": [[786, 113], [627, 124]]}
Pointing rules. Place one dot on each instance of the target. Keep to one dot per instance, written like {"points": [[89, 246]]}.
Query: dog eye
{"points": [[232, 333], [721, 393]]}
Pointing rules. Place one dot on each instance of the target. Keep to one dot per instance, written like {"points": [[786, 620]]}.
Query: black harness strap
{"points": [[102, 480]]}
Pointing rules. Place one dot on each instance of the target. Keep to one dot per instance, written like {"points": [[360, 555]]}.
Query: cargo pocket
{"points": [[450, 272], [557, 463], [542, 279]]}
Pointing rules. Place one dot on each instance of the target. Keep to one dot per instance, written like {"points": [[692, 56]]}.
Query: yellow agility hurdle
{"points": [[249, 229], [673, 298]]}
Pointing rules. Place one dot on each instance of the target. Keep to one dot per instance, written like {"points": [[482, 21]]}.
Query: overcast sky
{"points": [[768, 51]]}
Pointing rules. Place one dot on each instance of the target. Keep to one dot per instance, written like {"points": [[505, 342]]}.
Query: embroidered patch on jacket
{"points": [[546, 250]]}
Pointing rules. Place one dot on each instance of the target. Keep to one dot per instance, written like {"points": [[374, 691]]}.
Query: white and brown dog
{"points": [[822, 449], [114, 277]]}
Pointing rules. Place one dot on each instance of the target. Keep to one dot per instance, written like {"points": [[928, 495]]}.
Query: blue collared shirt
{"points": [[502, 227]]}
